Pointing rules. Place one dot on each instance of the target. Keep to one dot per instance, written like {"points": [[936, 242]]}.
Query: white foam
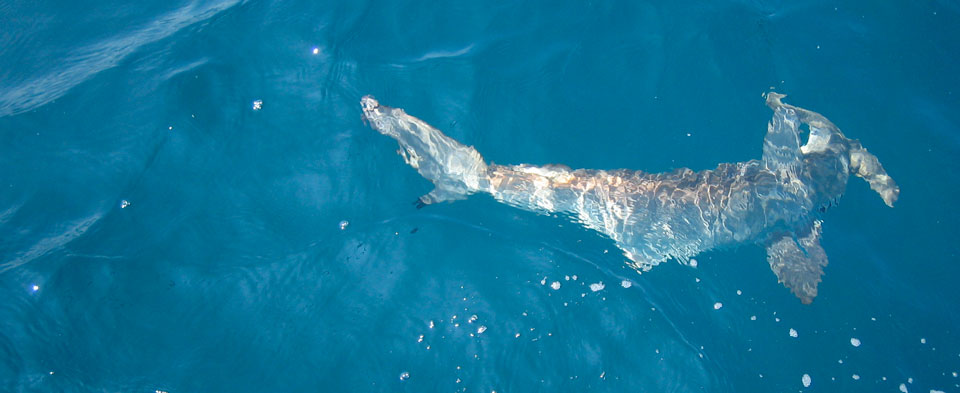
{"points": [[626, 283], [597, 286], [555, 285]]}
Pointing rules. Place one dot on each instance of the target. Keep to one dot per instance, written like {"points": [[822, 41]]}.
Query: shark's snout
{"points": [[369, 103], [369, 106]]}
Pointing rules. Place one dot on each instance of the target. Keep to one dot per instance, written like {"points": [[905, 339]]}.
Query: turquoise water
{"points": [[159, 233]]}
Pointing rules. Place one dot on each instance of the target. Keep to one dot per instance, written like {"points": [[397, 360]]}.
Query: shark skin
{"points": [[776, 202]]}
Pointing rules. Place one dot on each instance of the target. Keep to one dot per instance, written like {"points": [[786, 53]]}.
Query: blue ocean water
{"points": [[158, 233]]}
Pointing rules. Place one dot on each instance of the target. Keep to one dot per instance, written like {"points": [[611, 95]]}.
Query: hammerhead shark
{"points": [[776, 202]]}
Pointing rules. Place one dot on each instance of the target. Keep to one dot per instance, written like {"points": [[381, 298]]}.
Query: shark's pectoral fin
{"points": [[442, 194], [798, 261]]}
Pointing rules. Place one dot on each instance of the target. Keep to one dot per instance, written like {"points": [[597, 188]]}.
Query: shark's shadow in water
{"points": [[776, 202]]}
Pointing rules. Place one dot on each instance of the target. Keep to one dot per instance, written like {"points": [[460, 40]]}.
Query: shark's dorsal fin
{"points": [[798, 261]]}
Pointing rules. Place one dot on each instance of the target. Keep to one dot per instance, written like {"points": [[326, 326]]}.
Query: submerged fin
{"points": [[781, 145], [798, 261]]}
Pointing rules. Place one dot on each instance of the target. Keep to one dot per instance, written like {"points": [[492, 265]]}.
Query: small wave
{"points": [[48, 244], [88, 61], [444, 54]]}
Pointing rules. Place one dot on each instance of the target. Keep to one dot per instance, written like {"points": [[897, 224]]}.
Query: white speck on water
{"points": [[316, 50], [124, 204], [806, 380], [753, 317], [739, 292], [909, 380], [567, 278], [574, 277], [697, 279], [693, 262], [344, 224], [431, 324], [404, 376], [855, 342], [793, 333], [35, 288], [543, 281], [51, 373], [258, 105], [936, 391], [516, 335], [855, 377], [717, 305], [555, 285], [597, 286], [840, 361], [777, 319], [923, 341], [170, 128], [481, 329], [903, 388], [473, 318], [954, 374], [626, 283]]}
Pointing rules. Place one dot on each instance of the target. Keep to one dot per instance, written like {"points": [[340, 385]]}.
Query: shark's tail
{"points": [[861, 162], [455, 169]]}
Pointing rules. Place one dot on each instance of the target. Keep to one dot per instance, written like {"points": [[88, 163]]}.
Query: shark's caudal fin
{"points": [[823, 163], [455, 169], [825, 135]]}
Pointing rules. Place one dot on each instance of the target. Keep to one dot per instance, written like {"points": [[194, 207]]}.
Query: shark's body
{"points": [[653, 217]]}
